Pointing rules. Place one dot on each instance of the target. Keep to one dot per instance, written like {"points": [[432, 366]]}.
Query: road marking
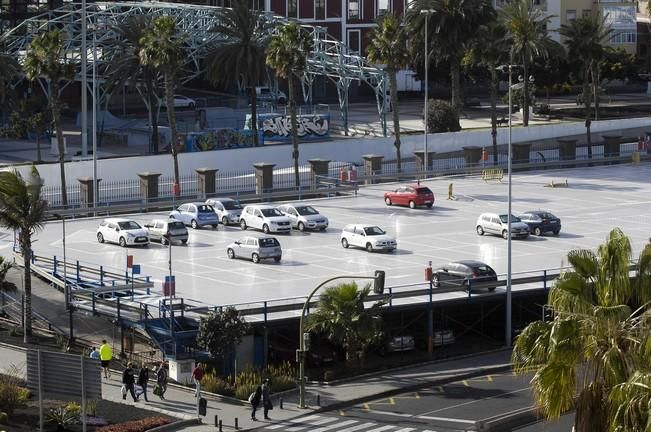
{"points": [[298, 420], [465, 382], [313, 423], [341, 413], [479, 400], [405, 430], [336, 425], [446, 419], [381, 428], [358, 427]]}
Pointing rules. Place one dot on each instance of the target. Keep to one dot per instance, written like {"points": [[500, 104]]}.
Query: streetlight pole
{"points": [[66, 288], [84, 83], [95, 191], [426, 12], [508, 243], [169, 264]]}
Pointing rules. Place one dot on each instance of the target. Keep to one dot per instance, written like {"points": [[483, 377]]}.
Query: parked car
{"points": [[370, 237], [196, 215], [493, 223], [163, 230], [399, 343], [463, 274], [412, 195], [125, 232], [181, 101], [255, 248], [228, 210], [443, 337], [540, 222], [304, 217], [267, 94], [264, 217]]}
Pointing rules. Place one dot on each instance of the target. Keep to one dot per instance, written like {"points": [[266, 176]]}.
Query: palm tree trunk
{"points": [[525, 89], [38, 146], [254, 116], [294, 125], [595, 81], [396, 117], [455, 81], [153, 115], [586, 103], [26, 246], [56, 117], [493, 96], [171, 119]]}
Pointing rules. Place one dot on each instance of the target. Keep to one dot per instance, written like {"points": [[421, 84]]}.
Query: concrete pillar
{"points": [[611, 145], [264, 177], [86, 192], [372, 165], [567, 149], [521, 152], [420, 159], [206, 181], [472, 155], [319, 167], [148, 185]]}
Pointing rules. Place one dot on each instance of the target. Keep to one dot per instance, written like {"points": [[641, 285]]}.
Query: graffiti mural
{"points": [[309, 126]]}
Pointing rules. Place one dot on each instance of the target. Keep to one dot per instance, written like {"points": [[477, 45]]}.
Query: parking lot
{"points": [[597, 199]]}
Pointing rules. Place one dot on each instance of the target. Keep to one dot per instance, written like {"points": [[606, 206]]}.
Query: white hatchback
{"points": [[264, 217], [369, 237], [493, 223], [125, 232], [304, 217]]}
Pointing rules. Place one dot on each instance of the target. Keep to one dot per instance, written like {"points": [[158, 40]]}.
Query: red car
{"points": [[412, 195]]}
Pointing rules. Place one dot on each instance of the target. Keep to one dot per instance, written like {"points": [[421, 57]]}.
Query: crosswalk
{"points": [[317, 423]]}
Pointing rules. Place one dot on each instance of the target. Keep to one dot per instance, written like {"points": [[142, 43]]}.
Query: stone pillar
{"points": [[319, 167], [567, 149], [521, 153], [611, 145], [372, 165], [264, 177], [86, 192], [206, 181], [148, 185], [420, 159], [472, 155]]}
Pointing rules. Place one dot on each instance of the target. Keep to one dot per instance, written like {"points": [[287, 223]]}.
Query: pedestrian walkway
{"points": [[317, 423]]}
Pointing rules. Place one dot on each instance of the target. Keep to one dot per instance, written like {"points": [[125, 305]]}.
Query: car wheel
{"points": [[436, 283], [224, 221], [412, 205], [277, 259], [163, 240], [123, 242], [369, 247], [505, 235], [191, 106], [100, 238], [430, 205], [491, 289], [184, 242], [282, 101], [243, 225], [215, 226], [172, 216], [387, 201], [344, 243], [265, 229], [301, 226], [480, 230], [231, 253], [194, 224], [537, 231], [255, 258], [557, 232]]}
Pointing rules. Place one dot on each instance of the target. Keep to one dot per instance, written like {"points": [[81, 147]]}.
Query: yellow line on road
{"points": [[366, 407], [465, 382], [341, 413]]}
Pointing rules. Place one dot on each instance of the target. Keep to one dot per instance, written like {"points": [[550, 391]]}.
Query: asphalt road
{"points": [[596, 200]]}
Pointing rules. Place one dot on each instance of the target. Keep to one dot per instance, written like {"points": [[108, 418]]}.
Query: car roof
{"points": [[538, 212], [262, 206], [260, 237], [471, 263], [222, 200], [116, 220]]}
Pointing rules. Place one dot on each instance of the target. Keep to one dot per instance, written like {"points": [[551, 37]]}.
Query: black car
{"points": [[464, 273], [541, 221]]}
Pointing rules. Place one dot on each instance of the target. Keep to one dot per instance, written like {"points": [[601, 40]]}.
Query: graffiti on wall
{"points": [[280, 126]]}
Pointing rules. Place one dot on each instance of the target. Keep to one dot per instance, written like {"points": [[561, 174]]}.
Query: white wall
{"points": [[238, 160]]}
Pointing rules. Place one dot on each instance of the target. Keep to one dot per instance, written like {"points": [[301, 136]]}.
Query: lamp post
{"points": [[84, 83], [508, 243], [378, 288], [426, 12], [168, 237], [66, 288]]}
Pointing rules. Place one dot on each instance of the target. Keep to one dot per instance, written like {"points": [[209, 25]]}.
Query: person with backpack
{"points": [[254, 399], [161, 382], [266, 398], [143, 380], [128, 382]]}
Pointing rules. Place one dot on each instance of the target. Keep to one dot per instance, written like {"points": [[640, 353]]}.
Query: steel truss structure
{"points": [[330, 57]]}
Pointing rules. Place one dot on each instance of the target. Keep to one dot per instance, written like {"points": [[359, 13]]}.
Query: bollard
{"points": [[318, 400], [280, 403], [450, 194], [220, 425], [236, 426], [216, 420]]}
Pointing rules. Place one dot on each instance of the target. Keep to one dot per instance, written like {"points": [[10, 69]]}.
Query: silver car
{"points": [[227, 210], [493, 223], [304, 217], [255, 249], [161, 230], [196, 215]]}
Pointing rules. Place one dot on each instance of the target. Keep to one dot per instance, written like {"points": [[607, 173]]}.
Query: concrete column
{"points": [[86, 193], [206, 181], [472, 155], [264, 177], [420, 159], [148, 185], [521, 153], [567, 149], [372, 165], [611, 145], [319, 167]]}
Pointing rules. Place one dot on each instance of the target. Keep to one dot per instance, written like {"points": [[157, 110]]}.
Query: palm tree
{"points": [[287, 55], [241, 58], [9, 68], [452, 25], [342, 318], [593, 344], [45, 58], [585, 39], [527, 28], [129, 69], [161, 47], [388, 45], [22, 209]]}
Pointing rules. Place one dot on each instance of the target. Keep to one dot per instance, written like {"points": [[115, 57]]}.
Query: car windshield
{"points": [[175, 225], [547, 216], [268, 242], [128, 225], [504, 218], [306, 210], [232, 205], [271, 212], [204, 208], [481, 269], [423, 191], [370, 231]]}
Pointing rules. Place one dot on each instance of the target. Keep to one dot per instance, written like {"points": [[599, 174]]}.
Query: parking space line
{"points": [[475, 401]]}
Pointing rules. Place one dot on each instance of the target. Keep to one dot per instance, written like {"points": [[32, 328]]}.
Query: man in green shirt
{"points": [[105, 356]]}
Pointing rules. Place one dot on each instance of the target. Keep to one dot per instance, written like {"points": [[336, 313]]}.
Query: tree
{"points": [[130, 70], [287, 55], [388, 46], [9, 68], [161, 47], [220, 332], [527, 30], [45, 58], [22, 209], [241, 57], [451, 27], [343, 319], [585, 39], [597, 337], [442, 117]]}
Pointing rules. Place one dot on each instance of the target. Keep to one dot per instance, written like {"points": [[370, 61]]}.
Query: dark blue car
{"points": [[541, 221]]}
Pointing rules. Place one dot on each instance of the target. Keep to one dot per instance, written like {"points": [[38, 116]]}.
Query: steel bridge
{"points": [[330, 58]]}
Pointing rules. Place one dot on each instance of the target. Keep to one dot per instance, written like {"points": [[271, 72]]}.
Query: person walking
{"points": [[161, 381], [197, 376], [94, 354], [266, 398], [143, 380], [105, 356], [255, 401], [128, 381]]}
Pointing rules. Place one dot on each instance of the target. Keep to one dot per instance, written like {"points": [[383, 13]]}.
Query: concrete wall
{"points": [[342, 150]]}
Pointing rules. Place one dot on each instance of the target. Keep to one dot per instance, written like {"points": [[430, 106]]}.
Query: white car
{"points": [[493, 223], [125, 232], [228, 210], [304, 217], [255, 249], [264, 217], [369, 237], [181, 101]]}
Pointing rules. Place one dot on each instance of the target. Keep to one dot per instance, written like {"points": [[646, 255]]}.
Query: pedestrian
{"points": [[128, 382], [161, 381], [255, 401], [266, 398], [197, 376], [105, 356], [143, 379], [94, 354]]}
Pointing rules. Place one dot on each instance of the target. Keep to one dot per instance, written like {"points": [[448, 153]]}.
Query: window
{"points": [[353, 9], [292, 10], [382, 7], [586, 12], [353, 41], [570, 15], [320, 9], [623, 37]]}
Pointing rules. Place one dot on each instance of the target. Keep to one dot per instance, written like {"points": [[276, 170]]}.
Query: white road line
{"points": [[358, 427], [311, 424], [405, 430], [380, 429], [297, 420], [336, 425], [446, 419], [475, 401]]}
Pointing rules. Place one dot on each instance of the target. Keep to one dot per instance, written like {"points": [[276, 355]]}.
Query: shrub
{"points": [[214, 384], [442, 117], [12, 396], [91, 407], [63, 417], [136, 425], [283, 377]]}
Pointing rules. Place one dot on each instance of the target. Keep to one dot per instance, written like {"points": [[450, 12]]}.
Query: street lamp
{"points": [[168, 238], [66, 288], [378, 288], [426, 12]]}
